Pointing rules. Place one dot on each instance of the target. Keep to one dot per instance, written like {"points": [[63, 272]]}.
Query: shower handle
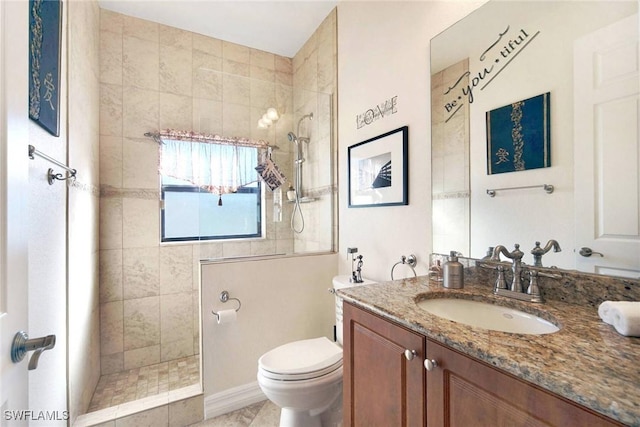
{"points": [[22, 345]]}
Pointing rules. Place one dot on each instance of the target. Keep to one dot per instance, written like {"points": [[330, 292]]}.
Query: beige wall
{"points": [[83, 204], [283, 300], [383, 51]]}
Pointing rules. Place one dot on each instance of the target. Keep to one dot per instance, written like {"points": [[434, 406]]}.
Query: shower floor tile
{"points": [[133, 384]]}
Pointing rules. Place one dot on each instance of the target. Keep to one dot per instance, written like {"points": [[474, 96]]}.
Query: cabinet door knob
{"points": [[410, 354], [430, 364]]}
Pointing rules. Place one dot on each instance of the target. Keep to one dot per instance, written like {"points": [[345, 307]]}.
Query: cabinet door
{"points": [[464, 392], [382, 387]]}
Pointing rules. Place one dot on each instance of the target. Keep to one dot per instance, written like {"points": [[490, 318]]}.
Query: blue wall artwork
{"points": [[518, 136], [45, 18]]}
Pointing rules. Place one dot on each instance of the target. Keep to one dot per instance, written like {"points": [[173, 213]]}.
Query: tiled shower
{"points": [[156, 77]]}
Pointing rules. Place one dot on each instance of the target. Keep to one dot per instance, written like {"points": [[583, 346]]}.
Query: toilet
{"points": [[304, 378]]}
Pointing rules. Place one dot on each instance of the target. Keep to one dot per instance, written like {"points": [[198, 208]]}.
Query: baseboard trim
{"points": [[232, 399]]}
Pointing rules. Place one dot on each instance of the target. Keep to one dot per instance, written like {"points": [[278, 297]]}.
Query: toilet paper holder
{"points": [[224, 297]]}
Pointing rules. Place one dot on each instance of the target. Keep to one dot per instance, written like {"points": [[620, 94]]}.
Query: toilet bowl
{"points": [[304, 378]]}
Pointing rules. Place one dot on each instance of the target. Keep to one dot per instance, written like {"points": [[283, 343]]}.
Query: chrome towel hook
{"points": [[224, 297]]}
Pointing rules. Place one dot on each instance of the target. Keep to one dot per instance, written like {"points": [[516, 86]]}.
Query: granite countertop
{"points": [[587, 361]]}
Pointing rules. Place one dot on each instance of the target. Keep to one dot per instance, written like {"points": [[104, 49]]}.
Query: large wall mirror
{"points": [[584, 55]]}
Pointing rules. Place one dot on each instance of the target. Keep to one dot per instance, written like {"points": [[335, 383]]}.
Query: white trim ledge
{"points": [[232, 399]]}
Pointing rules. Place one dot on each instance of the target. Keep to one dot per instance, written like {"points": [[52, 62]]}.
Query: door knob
{"points": [[587, 252], [430, 365], [22, 344], [410, 354]]}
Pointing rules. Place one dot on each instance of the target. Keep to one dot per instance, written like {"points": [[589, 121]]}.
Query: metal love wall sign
{"points": [[385, 108]]}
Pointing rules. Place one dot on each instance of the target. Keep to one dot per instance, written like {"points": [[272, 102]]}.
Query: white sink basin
{"points": [[487, 316]]}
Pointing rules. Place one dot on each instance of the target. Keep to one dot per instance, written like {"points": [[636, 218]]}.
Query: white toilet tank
{"points": [[340, 282]]}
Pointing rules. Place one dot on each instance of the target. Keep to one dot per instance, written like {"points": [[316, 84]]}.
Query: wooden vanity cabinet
{"points": [[382, 387], [464, 392]]}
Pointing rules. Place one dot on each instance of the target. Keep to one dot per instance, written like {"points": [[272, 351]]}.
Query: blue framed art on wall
{"points": [[519, 136], [45, 29]]}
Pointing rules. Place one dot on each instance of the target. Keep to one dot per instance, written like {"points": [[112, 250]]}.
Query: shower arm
{"points": [[306, 116]]}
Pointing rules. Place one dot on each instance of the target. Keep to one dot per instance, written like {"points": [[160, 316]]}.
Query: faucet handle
{"points": [[550, 275], [501, 283], [534, 289]]}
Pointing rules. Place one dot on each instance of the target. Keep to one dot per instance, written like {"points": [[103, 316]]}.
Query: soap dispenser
{"points": [[452, 272]]}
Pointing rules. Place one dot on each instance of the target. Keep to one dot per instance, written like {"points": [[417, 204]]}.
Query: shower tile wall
{"points": [[155, 77], [314, 81]]}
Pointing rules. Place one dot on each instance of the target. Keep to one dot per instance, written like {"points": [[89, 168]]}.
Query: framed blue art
{"points": [[45, 29], [519, 136]]}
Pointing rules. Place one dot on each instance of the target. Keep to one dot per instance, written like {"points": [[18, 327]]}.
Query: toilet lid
{"points": [[299, 358]]}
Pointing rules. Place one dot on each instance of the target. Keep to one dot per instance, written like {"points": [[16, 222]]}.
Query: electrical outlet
{"points": [[352, 250]]}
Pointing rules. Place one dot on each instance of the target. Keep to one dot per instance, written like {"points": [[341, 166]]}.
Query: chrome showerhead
{"points": [[292, 137]]}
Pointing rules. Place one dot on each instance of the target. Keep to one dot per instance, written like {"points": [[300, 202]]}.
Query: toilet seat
{"points": [[301, 360]]}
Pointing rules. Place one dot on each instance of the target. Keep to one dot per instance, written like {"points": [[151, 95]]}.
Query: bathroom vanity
{"points": [[405, 366]]}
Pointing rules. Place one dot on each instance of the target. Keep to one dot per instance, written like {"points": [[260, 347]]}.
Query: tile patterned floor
{"points": [[127, 386], [261, 414]]}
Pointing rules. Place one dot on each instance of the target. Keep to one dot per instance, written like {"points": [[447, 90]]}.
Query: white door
{"points": [[607, 149], [13, 180]]}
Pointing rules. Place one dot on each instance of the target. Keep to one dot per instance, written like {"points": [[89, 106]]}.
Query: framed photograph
{"points": [[378, 170], [45, 29], [519, 136]]}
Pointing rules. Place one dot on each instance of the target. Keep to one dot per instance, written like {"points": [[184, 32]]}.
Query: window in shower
{"points": [[209, 192], [190, 213]]}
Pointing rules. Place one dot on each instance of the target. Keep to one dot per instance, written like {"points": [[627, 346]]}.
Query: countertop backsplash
{"points": [[574, 287]]}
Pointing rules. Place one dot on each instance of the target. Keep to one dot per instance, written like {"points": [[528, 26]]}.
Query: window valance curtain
{"points": [[217, 164]]}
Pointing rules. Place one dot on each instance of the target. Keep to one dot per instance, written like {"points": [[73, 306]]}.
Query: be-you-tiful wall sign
{"points": [[504, 49], [45, 25], [518, 136], [388, 107]]}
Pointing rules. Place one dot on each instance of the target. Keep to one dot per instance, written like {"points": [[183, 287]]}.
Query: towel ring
{"points": [[224, 297], [411, 261]]}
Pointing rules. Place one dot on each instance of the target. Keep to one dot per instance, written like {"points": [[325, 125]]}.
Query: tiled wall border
{"points": [[452, 195], [107, 191], [89, 188]]}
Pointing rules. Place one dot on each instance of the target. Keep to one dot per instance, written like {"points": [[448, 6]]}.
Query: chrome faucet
{"points": [[516, 290], [516, 266], [537, 251]]}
